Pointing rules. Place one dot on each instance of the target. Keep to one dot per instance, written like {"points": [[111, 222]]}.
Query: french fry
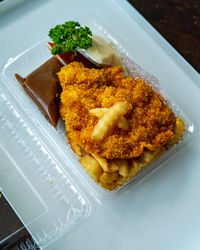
{"points": [[178, 131], [108, 180], [122, 123], [109, 119], [134, 168], [109, 186], [149, 156], [121, 180], [91, 166], [102, 162], [113, 166], [108, 177], [98, 112], [123, 167]]}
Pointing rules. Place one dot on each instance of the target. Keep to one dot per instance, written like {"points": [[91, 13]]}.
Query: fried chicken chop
{"points": [[151, 121]]}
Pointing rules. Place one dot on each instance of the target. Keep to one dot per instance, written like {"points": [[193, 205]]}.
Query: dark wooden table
{"points": [[178, 21]]}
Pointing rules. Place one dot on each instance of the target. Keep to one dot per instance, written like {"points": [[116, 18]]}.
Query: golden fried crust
{"points": [[151, 121]]}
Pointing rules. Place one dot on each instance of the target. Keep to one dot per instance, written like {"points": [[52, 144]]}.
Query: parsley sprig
{"points": [[69, 36]]}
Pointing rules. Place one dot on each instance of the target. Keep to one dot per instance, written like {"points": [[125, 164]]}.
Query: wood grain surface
{"points": [[178, 21]]}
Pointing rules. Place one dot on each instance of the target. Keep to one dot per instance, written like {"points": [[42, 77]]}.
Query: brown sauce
{"points": [[43, 86]]}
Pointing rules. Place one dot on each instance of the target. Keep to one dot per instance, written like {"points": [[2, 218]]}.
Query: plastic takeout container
{"points": [[41, 157]]}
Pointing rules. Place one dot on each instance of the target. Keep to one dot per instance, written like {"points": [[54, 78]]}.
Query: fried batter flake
{"points": [[151, 121]]}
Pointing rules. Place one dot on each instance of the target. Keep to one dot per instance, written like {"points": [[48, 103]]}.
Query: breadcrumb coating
{"points": [[151, 120]]}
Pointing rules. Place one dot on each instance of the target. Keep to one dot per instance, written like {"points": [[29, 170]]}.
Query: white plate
{"points": [[6, 5], [136, 217]]}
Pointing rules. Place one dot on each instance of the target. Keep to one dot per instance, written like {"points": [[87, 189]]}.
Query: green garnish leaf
{"points": [[69, 36]]}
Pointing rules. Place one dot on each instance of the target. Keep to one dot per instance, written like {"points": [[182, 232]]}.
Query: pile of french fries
{"points": [[113, 173]]}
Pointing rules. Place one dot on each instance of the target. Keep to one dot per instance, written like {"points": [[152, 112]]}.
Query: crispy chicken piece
{"points": [[151, 120]]}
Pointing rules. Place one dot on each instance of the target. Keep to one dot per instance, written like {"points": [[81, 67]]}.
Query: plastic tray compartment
{"points": [[33, 175]]}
